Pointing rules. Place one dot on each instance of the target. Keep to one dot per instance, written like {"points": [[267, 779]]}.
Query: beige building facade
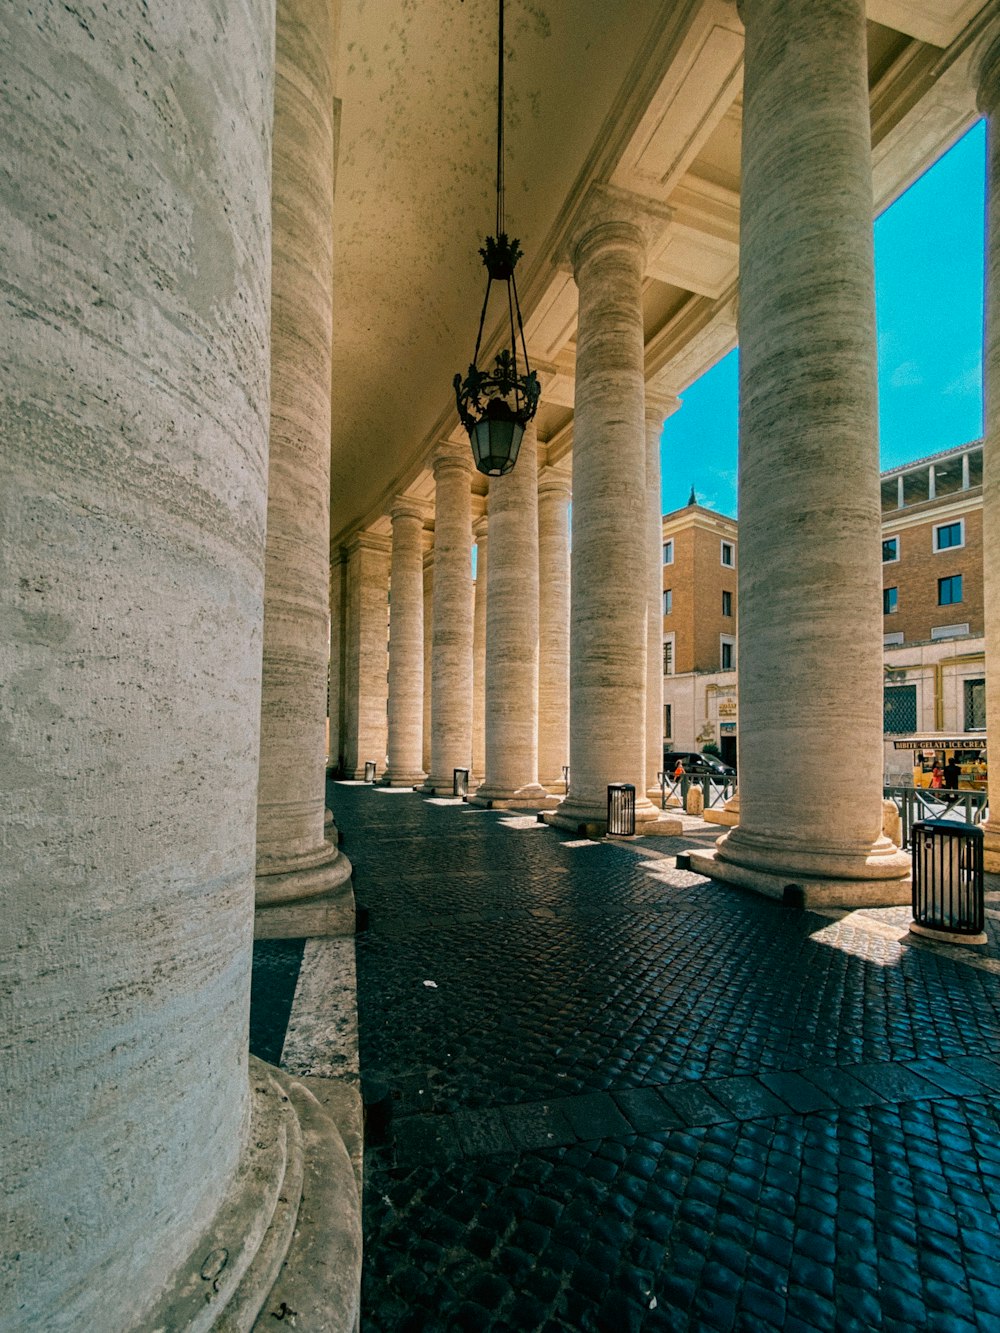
{"points": [[933, 620]]}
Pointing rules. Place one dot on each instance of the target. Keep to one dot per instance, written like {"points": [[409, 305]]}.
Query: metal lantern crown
{"points": [[495, 405]]}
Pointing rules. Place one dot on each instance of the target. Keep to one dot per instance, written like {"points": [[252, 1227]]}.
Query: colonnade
{"points": [[180, 629]]}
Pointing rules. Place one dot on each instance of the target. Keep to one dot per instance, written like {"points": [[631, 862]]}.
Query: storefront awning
{"points": [[974, 742]]}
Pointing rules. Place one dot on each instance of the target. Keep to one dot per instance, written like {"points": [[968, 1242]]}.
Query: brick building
{"points": [[933, 624]]}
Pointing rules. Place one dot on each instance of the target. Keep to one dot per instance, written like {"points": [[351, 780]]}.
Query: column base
{"points": [[804, 890], [991, 847], [532, 796], [439, 786], [390, 779], [588, 822], [288, 1233], [310, 899], [730, 818]]}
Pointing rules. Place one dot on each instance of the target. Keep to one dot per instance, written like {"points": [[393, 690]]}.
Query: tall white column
{"points": [[610, 524], [132, 516], [296, 856], [810, 659], [451, 651], [366, 688], [554, 491], [406, 645], [658, 408], [511, 706], [480, 532], [988, 70], [425, 759], [335, 690]]}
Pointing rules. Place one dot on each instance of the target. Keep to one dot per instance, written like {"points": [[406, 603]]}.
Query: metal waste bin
{"points": [[370, 771], [948, 880], [621, 810], [460, 782]]}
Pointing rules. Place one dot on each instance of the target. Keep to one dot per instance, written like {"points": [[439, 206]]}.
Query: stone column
{"points": [[451, 652], [554, 491], [297, 857], [512, 637], [659, 406], [480, 531], [335, 690], [366, 688], [133, 432], [609, 585], [406, 645], [988, 72], [810, 651], [425, 760]]}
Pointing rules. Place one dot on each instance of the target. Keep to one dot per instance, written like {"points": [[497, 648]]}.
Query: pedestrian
{"points": [[952, 774], [937, 777], [679, 770]]}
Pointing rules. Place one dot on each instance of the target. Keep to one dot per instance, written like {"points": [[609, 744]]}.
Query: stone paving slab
{"points": [[827, 1155]]}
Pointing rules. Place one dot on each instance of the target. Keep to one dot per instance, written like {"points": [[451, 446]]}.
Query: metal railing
{"points": [[621, 810], [716, 787], [919, 803]]}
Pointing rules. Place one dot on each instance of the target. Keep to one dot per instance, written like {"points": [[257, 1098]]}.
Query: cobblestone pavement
{"points": [[636, 1099]]}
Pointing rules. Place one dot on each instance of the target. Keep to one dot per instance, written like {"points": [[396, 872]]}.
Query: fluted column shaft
{"points": [[480, 531], [406, 647], [988, 71], [291, 790], [608, 596], [658, 408], [451, 651], [511, 707], [554, 492], [366, 688], [810, 653]]}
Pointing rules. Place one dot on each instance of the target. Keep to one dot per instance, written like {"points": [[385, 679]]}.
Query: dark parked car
{"points": [[695, 762]]}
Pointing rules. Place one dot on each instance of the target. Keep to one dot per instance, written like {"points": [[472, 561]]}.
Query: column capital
{"points": [[660, 405], [450, 454], [608, 214], [985, 68], [408, 506], [481, 529], [369, 541]]}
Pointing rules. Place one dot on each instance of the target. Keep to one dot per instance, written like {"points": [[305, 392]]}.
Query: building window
{"points": [[668, 656], [668, 553], [668, 722], [890, 550], [727, 603], [668, 601], [948, 536], [890, 601], [728, 554], [727, 652], [899, 709], [891, 640], [950, 590], [975, 705]]}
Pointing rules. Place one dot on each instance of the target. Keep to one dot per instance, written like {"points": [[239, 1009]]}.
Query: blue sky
{"points": [[929, 295]]}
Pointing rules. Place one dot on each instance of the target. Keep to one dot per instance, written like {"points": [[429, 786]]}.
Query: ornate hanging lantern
{"points": [[495, 405]]}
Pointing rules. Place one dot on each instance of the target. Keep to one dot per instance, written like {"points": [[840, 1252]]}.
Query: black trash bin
{"points": [[948, 880], [460, 782], [621, 810], [370, 771]]}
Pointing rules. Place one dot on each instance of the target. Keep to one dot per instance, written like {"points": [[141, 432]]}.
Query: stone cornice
{"points": [[408, 506], [369, 541]]}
